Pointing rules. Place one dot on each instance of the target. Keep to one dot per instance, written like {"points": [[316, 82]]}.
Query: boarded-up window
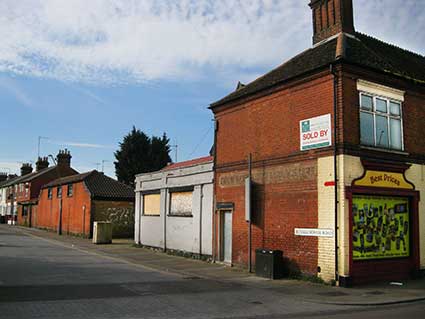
{"points": [[151, 204], [181, 203]]}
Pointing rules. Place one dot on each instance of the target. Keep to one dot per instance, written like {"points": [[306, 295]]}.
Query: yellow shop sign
{"points": [[383, 179]]}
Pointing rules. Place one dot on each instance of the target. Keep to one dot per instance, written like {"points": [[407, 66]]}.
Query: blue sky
{"points": [[82, 73]]}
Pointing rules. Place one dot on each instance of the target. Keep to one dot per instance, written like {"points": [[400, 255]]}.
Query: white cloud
{"points": [[80, 144], [14, 89], [113, 41]]}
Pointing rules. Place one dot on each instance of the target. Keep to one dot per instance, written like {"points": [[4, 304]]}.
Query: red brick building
{"points": [[71, 205], [26, 188], [337, 157]]}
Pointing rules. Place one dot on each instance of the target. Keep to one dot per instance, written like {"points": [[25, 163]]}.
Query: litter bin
{"points": [[269, 263]]}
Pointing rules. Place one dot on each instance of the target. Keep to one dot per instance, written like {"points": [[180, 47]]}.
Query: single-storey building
{"points": [[174, 207], [71, 204]]}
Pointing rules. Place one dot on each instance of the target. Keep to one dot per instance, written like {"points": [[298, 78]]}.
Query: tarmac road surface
{"points": [[45, 279]]}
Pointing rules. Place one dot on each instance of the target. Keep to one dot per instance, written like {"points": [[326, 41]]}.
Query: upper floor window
{"points": [[49, 193], [381, 122], [59, 193], [70, 190]]}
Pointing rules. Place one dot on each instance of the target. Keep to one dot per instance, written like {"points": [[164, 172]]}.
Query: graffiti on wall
{"points": [[122, 219]]}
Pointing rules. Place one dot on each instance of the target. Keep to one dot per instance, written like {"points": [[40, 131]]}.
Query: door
{"points": [[227, 237]]}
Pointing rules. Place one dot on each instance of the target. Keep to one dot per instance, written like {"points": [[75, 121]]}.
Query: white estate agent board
{"points": [[315, 132]]}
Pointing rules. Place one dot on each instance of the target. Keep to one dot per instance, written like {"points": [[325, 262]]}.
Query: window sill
{"points": [[143, 215], [385, 150], [184, 216]]}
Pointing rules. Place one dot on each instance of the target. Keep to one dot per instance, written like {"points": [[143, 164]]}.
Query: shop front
{"points": [[384, 225]]}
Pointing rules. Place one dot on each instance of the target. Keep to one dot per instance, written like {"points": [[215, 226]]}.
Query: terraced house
{"points": [[338, 158], [71, 205], [23, 191]]}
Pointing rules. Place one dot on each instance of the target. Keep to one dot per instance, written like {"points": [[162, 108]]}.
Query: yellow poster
{"points": [[381, 227]]}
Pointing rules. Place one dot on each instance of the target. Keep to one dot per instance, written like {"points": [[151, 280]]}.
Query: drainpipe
{"points": [[84, 221], [165, 211], [250, 217], [60, 218], [335, 120]]}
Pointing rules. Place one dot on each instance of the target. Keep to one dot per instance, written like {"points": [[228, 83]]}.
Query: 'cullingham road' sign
{"points": [[314, 232]]}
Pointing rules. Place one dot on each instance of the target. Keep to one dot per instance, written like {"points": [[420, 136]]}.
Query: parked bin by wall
{"points": [[269, 263], [102, 232]]}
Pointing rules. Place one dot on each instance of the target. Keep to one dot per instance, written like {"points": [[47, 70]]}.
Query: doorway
{"points": [[226, 236]]}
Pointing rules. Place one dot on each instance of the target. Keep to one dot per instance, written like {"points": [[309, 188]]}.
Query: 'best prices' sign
{"points": [[315, 132]]}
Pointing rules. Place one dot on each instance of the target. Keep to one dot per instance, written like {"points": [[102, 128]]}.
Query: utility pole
{"points": [[39, 144], [103, 165], [176, 147]]}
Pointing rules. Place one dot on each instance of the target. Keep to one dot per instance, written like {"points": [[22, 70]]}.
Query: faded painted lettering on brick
{"points": [[272, 175]]}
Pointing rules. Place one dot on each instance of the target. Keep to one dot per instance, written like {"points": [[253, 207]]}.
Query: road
{"points": [[41, 278]]}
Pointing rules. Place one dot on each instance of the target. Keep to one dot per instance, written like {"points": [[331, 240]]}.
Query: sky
{"points": [[81, 74]]}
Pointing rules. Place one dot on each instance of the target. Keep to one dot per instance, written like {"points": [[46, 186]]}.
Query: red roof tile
{"points": [[196, 161]]}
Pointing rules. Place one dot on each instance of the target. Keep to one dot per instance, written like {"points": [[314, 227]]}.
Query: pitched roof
{"points": [[99, 185], [13, 181], [192, 162], [358, 49], [29, 177], [371, 52], [68, 179]]}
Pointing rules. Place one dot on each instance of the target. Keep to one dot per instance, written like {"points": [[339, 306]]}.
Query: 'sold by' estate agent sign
{"points": [[315, 132]]}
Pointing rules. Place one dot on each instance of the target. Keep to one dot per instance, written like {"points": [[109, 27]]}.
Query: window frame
{"points": [[388, 117], [143, 206], [59, 192], [50, 193], [170, 198]]}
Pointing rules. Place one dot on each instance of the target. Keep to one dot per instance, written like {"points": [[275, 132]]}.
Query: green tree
{"points": [[139, 153]]}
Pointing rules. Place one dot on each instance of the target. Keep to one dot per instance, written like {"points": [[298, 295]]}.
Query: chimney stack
{"points": [[331, 17], [26, 169], [42, 162], [64, 158], [3, 177]]}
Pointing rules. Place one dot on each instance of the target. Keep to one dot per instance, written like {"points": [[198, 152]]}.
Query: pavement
{"points": [[124, 251]]}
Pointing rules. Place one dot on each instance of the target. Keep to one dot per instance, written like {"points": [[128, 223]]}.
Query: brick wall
{"points": [[285, 179], [75, 219], [120, 213]]}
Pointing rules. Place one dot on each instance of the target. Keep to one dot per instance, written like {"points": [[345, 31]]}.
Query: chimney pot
{"points": [[26, 169], [41, 163], [64, 158]]}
